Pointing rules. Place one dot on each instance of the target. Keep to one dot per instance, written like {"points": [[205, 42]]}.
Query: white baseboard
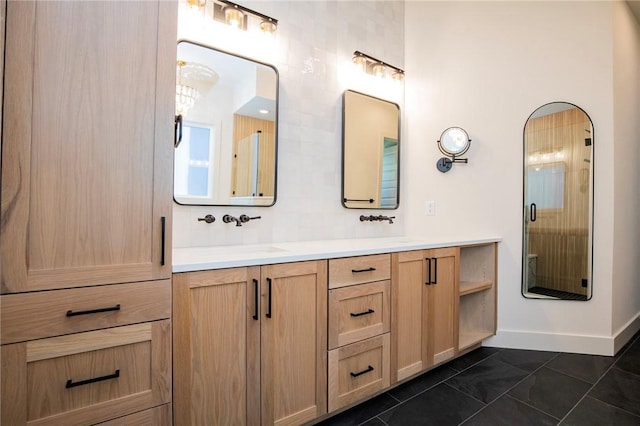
{"points": [[626, 332], [572, 343], [513, 339]]}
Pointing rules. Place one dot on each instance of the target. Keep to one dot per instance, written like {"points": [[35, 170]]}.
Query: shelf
{"points": [[469, 287], [471, 338]]}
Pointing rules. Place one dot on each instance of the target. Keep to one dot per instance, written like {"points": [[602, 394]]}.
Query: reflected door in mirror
{"points": [[558, 201], [371, 156]]}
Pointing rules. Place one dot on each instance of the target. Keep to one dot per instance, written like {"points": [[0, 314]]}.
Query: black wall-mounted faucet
{"points": [[372, 218], [227, 218]]}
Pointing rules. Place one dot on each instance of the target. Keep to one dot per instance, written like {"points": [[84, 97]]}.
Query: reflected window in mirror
{"points": [[228, 153], [370, 152], [193, 177], [558, 203]]}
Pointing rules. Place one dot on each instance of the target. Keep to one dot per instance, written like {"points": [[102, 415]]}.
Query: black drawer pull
{"points": [[93, 311], [363, 270], [71, 384], [359, 314], [370, 368]]}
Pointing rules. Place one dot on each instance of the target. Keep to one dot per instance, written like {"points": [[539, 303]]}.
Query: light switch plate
{"points": [[431, 208]]}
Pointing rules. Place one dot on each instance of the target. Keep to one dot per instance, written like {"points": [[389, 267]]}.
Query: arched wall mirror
{"points": [[370, 152], [558, 203], [229, 108]]}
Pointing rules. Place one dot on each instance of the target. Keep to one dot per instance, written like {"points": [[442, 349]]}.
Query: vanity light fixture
{"points": [[197, 4], [233, 16], [453, 143], [241, 17], [376, 67]]}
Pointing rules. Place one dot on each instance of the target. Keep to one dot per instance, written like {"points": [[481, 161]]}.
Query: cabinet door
{"points": [[216, 337], [408, 320], [441, 277], [87, 143], [294, 342]]}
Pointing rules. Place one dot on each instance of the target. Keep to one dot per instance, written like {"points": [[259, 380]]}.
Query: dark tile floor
{"points": [[492, 386]]}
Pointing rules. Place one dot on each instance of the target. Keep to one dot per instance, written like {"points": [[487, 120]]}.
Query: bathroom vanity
{"points": [[292, 333]]}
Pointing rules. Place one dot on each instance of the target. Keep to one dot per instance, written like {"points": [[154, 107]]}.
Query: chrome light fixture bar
{"points": [[371, 65], [238, 16]]}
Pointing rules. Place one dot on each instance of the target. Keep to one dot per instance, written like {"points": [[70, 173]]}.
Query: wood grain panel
{"points": [[157, 416], [216, 344], [294, 342], [442, 305], [407, 320], [358, 312], [370, 358], [359, 269], [28, 316], [37, 373], [83, 128]]}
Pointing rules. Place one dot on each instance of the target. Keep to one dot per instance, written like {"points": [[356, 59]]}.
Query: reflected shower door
{"points": [[557, 203]]}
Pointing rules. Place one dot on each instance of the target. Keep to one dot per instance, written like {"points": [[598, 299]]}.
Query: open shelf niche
{"points": [[477, 305]]}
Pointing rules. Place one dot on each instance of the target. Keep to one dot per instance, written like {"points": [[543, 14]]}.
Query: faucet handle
{"points": [[244, 218], [208, 218]]}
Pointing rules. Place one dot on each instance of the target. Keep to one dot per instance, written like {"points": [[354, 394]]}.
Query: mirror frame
{"points": [[525, 211], [276, 127], [344, 122]]}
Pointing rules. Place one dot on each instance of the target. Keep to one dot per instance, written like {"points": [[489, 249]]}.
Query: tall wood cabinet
{"points": [[85, 237], [250, 345], [424, 310], [86, 145]]}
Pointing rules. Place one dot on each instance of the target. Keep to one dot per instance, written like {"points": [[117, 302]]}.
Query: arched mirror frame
{"points": [[530, 262]]}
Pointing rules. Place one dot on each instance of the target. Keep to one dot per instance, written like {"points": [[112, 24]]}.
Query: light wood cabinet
{"points": [[87, 378], [157, 416], [85, 238], [359, 324], [478, 284], [424, 310], [29, 316], [250, 345], [216, 343], [87, 153], [358, 370]]}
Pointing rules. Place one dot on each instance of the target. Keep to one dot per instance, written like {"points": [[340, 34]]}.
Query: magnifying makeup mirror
{"points": [[453, 143]]}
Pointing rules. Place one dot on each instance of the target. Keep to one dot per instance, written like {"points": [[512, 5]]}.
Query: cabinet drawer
{"points": [[358, 370], [36, 315], [358, 312], [157, 416], [360, 269], [87, 378]]}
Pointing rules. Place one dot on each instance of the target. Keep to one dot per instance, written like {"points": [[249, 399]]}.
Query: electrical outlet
{"points": [[431, 208]]}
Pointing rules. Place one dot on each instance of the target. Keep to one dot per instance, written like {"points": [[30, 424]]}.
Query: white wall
{"points": [[626, 86], [486, 66], [312, 49]]}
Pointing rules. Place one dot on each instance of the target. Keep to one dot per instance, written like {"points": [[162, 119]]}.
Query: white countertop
{"points": [[218, 257]]}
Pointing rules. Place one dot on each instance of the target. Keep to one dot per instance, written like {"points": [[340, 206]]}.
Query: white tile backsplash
{"points": [[314, 43]]}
